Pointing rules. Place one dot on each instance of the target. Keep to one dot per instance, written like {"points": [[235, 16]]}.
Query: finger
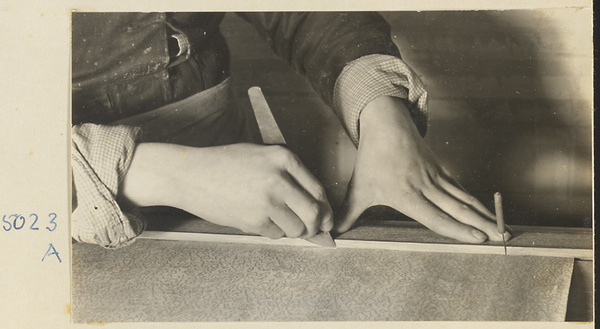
{"points": [[438, 221], [304, 178], [464, 213], [327, 218], [288, 221], [300, 174], [466, 198], [314, 213], [352, 207], [267, 228], [446, 173]]}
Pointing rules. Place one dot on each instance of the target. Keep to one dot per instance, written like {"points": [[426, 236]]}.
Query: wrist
{"points": [[386, 117], [152, 176]]}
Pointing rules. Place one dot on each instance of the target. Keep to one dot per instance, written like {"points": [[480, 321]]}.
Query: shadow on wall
{"points": [[510, 105]]}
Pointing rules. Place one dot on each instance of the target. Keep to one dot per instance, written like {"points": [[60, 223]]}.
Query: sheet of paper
{"points": [[192, 281]]}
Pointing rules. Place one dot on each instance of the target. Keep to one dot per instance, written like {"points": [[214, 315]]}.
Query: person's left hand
{"points": [[395, 167]]}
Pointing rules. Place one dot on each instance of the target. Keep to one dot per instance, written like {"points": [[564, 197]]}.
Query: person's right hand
{"points": [[259, 189]]}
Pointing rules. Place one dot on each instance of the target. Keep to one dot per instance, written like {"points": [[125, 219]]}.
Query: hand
{"points": [[259, 189], [394, 167]]}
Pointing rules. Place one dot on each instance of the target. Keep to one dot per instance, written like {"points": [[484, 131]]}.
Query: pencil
{"points": [[499, 212]]}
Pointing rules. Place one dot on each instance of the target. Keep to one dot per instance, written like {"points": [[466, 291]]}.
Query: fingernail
{"points": [[507, 236], [479, 235]]}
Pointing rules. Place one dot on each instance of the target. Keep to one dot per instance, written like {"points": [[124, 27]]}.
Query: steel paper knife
{"points": [[270, 133]]}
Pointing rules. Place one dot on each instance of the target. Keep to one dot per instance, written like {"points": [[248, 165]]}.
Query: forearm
{"points": [[155, 177], [370, 77], [349, 58], [384, 119], [320, 44]]}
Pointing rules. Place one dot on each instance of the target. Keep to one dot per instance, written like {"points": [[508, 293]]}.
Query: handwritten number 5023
{"points": [[18, 222]]}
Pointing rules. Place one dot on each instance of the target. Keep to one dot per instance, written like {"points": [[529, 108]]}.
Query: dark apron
{"points": [[124, 72], [207, 118]]}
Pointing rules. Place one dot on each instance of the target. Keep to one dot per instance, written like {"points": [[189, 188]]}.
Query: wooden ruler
{"points": [[394, 235]]}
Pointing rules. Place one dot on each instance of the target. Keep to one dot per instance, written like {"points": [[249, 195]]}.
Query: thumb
{"points": [[350, 209], [327, 223]]}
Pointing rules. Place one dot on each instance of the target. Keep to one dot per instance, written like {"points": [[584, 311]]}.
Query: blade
{"points": [[323, 239], [267, 125], [270, 133]]}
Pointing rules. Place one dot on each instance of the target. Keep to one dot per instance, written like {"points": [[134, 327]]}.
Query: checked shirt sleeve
{"points": [[369, 77], [101, 156]]}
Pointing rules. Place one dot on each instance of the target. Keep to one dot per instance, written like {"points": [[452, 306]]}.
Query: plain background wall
{"points": [[510, 105]]}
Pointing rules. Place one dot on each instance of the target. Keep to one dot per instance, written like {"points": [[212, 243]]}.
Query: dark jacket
{"points": [[126, 63]]}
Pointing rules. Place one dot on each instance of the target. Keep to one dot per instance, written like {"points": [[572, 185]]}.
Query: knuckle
{"points": [[442, 218], [270, 180], [471, 200], [435, 221], [291, 164], [282, 155], [271, 183], [439, 224], [313, 212], [312, 222], [263, 209], [464, 208], [464, 212], [319, 192]]}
